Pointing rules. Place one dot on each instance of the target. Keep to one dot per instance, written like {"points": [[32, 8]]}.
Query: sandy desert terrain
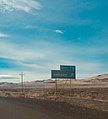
{"points": [[90, 94]]}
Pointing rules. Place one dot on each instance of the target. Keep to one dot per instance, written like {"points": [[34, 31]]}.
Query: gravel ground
{"points": [[22, 108]]}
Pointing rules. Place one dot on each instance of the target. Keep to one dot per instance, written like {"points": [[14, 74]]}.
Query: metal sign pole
{"points": [[70, 86], [56, 88]]}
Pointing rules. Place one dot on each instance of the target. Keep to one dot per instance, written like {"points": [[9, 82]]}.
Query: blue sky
{"points": [[39, 35]]}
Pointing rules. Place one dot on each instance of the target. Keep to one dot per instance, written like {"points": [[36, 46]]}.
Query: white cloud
{"points": [[29, 27], [4, 76], [23, 5], [59, 31], [2, 35], [44, 56], [13, 51]]}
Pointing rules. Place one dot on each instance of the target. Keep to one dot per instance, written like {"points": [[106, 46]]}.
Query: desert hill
{"points": [[102, 77], [40, 83]]}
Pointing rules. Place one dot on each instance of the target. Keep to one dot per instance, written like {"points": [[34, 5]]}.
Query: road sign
{"points": [[62, 74], [67, 68]]}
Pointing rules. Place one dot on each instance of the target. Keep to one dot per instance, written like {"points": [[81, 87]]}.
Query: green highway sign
{"points": [[63, 74], [68, 68]]}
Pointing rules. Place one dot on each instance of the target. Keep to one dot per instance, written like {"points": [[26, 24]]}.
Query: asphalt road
{"points": [[40, 109]]}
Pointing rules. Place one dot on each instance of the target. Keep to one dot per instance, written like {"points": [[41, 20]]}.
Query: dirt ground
{"points": [[21, 108], [84, 94]]}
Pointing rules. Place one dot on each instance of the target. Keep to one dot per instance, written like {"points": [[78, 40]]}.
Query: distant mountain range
{"points": [[32, 84], [39, 83], [8, 85]]}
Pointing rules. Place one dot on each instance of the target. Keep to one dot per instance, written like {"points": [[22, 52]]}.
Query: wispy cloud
{"points": [[29, 27], [37, 60], [3, 35], [59, 31], [4, 76], [23, 5]]}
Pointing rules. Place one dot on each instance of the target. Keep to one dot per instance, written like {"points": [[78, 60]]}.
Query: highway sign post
{"points": [[65, 72]]}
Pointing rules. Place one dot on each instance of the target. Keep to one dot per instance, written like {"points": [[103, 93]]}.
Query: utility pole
{"points": [[22, 81], [70, 86]]}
